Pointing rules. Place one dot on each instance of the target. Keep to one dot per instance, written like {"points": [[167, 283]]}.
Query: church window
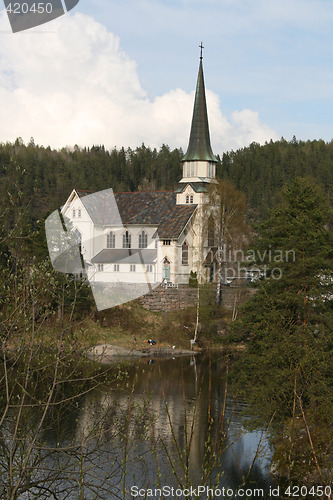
{"points": [[187, 198], [79, 212], [155, 238], [127, 240], [192, 169], [111, 240], [211, 170], [188, 170], [143, 239], [74, 213], [78, 236], [211, 232], [191, 198], [185, 254]]}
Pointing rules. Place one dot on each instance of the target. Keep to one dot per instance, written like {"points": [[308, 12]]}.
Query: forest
{"points": [[45, 177]]}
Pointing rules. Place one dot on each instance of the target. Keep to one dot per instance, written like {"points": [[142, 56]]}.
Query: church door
{"points": [[166, 270]]}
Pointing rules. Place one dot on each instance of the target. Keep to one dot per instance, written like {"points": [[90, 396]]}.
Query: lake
{"points": [[165, 427]]}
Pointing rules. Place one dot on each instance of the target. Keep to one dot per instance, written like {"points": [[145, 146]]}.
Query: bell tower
{"points": [[199, 162], [199, 176]]}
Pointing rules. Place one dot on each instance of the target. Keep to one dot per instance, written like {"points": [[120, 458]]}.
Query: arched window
{"points": [[185, 254], [155, 238], [211, 231], [187, 198], [143, 239], [111, 240], [127, 240], [78, 236], [191, 198]]}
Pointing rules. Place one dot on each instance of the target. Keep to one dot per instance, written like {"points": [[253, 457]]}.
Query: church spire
{"points": [[199, 147]]}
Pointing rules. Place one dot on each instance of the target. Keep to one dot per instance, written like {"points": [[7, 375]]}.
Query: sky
{"points": [[123, 73]]}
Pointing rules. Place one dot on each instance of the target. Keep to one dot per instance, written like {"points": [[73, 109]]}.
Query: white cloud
{"points": [[75, 85], [249, 128]]}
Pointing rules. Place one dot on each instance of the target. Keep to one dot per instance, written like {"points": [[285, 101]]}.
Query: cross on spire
{"points": [[201, 47]]}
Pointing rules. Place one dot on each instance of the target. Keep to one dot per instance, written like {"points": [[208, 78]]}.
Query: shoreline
{"points": [[104, 353]]}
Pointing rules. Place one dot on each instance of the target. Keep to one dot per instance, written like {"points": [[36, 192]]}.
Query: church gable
{"points": [[187, 196], [190, 192], [75, 210]]}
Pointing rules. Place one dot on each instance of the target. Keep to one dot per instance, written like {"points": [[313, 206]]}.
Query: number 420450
{"points": [[303, 491], [34, 8]]}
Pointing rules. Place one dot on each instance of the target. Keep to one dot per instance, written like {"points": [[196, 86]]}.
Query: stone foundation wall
{"points": [[169, 299], [172, 299]]}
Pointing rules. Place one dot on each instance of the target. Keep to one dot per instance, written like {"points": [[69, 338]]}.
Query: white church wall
{"points": [[126, 273]]}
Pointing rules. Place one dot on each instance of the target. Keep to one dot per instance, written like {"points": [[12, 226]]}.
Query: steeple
{"points": [[199, 162], [199, 148]]}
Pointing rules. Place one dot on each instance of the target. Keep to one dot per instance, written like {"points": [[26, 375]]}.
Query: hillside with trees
{"points": [[262, 171], [46, 177]]}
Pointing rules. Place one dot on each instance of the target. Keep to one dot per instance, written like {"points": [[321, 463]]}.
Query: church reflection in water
{"points": [[165, 406]]}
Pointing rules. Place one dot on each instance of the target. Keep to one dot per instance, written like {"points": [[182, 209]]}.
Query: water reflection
{"points": [[170, 406]]}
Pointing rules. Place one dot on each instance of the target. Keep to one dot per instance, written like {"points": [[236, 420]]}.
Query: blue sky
{"points": [[268, 72]]}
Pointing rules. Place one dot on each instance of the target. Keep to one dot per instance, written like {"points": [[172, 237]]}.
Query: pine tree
{"points": [[288, 323]]}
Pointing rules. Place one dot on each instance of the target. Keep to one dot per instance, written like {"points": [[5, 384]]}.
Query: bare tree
{"points": [[228, 232]]}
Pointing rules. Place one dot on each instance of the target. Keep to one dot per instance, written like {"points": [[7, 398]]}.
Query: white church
{"points": [[151, 237]]}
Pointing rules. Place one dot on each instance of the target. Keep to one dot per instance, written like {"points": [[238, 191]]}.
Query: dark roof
{"points": [[175, 220], [102, 207], [199, 147], [125, 256], [142, 208]]}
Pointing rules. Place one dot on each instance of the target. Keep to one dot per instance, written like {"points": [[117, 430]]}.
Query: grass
{"points": [[131, 326], [128, 325]]}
